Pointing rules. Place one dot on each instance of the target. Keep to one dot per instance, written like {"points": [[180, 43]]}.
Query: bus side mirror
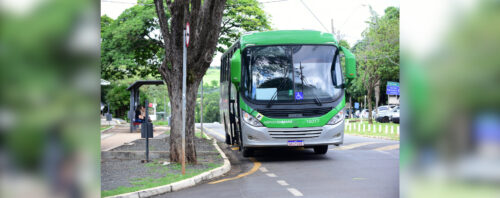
{"points": [[350, 63], [236, 67]]}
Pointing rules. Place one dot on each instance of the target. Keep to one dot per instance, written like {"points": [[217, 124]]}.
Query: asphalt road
{"points": [[361, 167]]}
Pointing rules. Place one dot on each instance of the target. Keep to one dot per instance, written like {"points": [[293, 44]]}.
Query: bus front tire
{"points": [[247, 152], [321, 149]]}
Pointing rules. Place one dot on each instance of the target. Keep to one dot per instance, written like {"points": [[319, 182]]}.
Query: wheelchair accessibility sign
{"points": [[299, 96]]}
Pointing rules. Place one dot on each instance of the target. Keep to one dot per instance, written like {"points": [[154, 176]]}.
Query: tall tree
{"points": [[378, 55], [132, 46], [129, 45], [241, 16], [205, 19]]}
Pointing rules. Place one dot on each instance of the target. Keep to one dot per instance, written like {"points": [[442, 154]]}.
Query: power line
{"points": [[326, 29]]}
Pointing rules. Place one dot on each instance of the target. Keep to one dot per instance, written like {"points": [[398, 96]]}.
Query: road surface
{"points": [[361, 167]]}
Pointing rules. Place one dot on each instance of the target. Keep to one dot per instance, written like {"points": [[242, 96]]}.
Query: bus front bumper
{"points": [[261, 136]]}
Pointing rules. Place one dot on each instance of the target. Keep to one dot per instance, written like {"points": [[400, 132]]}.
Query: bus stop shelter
{"points": [[135, 100]]}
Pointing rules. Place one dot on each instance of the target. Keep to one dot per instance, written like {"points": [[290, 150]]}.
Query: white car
{"points": [[395, 115], [384, 113], [364, 114]]}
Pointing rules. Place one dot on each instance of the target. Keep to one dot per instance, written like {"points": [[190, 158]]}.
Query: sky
{"points": [[348, 16]]}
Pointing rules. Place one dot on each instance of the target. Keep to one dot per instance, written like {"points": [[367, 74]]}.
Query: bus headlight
{"points": [[337, 118], [249, 119]]}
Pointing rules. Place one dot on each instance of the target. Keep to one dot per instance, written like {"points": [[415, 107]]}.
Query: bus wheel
{"points": [[321, 149], [247, 152], [228, 140]]}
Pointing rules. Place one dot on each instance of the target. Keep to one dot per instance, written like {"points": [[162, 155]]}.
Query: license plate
{"points": [[295, 142]]}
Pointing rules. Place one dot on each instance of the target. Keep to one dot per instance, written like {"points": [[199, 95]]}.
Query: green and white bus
{"points": [[284, 88]]}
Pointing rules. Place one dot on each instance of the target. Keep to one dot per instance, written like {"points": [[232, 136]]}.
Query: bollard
{"points": [[380, 128], [364, 127], [386, 129], [392, 129], [398, 130], [359, 127], [369, 127]]}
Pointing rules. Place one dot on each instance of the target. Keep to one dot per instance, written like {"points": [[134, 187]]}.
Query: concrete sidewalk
{"points": [[120, 134]]}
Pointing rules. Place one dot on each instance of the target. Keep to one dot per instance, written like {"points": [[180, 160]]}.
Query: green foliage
{"points": [[377, 55], [168, 178], [119, 99], [129, 45], [212, 74], [344, 43], [241, 16], [105, 23], [211, 98]]}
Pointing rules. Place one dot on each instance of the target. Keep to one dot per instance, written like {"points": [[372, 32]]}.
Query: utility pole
{"points": [[184, 60], [365, 102], [333, 29], [165, 107]]}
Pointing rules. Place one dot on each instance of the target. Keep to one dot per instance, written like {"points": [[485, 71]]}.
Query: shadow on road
{"points": [[287, 154]]}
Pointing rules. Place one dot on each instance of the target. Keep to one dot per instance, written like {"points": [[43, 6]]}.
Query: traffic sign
{"points": [[187, 34], [392, 88], [392, 84]]}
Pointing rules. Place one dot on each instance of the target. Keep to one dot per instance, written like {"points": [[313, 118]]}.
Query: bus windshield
{"points": [[292, 73]]}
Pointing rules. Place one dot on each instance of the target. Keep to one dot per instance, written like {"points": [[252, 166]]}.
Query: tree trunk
{"points": [[190, 120], [175, 95], [176, 120], [205, 18], [175, 123]]}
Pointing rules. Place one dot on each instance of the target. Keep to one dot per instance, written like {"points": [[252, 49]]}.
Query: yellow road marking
{"points": [[352, 146], [256, 165], [235, 148], [215, 133], [386, 148]]}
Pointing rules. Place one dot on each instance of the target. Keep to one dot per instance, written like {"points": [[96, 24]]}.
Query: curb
{"points": [[108, 129], [183, 183], [371, 136]]}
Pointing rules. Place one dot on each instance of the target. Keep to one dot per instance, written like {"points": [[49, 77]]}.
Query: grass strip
{"points": [[148, 182]]}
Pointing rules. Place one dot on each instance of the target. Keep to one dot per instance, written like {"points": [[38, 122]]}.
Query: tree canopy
{"points": [[241, 16], [132, 44], [377, 55]]}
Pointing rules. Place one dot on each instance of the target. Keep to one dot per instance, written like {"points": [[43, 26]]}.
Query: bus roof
{"points": [[287, 37]]}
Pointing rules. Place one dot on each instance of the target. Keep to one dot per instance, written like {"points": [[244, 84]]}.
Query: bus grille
{"points": [[295, 133], [295, 113]]}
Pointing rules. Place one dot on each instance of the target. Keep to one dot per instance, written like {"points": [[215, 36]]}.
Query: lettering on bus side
{"points": [[312, 121], [278, 122]]}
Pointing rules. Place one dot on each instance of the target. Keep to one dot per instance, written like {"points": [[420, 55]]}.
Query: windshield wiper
{"points": [[282, 83], [316, 99], [302, 79]]}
